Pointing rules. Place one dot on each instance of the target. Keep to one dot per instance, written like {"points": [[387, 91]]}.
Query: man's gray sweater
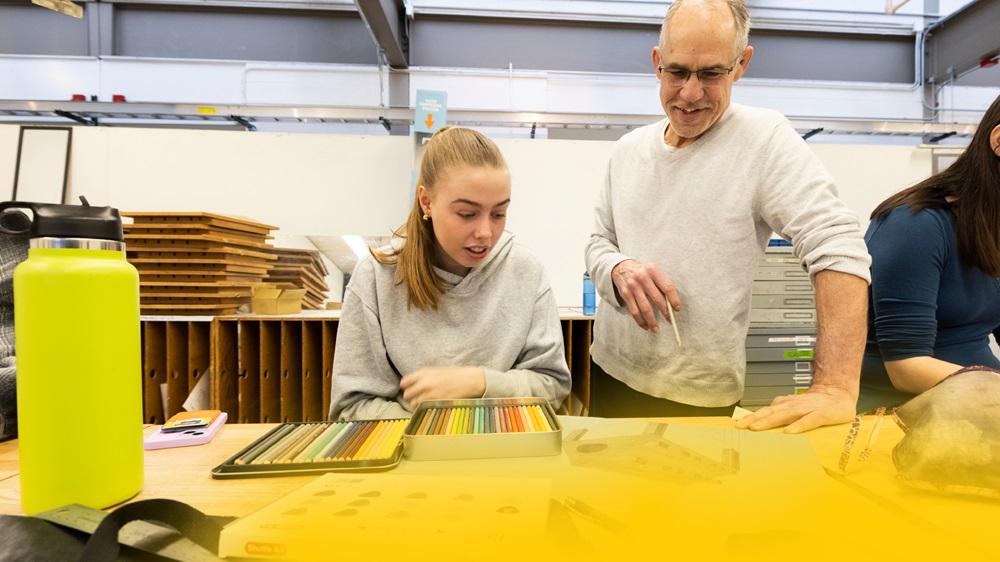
{"points": [[703, 214]]}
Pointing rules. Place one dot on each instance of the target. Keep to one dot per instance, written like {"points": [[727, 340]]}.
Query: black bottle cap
{"points": [[62, 221]]}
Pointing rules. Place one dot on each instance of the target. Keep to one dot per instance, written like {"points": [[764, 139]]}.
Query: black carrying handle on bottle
{"points": [[22, 224], [193, 524], [15, 223]]}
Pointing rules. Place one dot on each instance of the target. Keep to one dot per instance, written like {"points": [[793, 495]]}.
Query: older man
{"points": [[687, 207]]}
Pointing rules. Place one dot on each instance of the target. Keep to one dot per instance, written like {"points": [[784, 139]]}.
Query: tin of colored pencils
{"points": [[482, 428], [316, 447]]}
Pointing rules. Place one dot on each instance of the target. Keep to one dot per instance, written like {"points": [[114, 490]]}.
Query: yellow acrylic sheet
{"points": [[367, 514], [621, 489]]}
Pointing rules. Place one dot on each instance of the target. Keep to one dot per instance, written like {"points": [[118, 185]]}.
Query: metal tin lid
{"points": [[62, 221]]}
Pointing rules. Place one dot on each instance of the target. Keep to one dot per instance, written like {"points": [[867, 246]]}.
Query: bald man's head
{"points": [[730, 16]]}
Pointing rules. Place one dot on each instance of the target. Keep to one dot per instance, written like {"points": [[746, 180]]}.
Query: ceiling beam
{"points": [[962, 42], [26, 111], [386, 21]]}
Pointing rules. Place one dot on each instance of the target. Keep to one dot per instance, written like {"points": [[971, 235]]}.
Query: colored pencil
{"points": [[439, 426], [515, 419], [339, 441], [425, 422], [521, 426], [348, 452], [435, 417], [366, 446], [322, 441], [528, 422], [523, 423], [348, 449], [264, 445], [535, 420], [445, 421], [305, 430], [303, 442], [392, 440], [281, 446], [383, 437], [432, 422], [544, 417], [425, 418], [375, 451]]}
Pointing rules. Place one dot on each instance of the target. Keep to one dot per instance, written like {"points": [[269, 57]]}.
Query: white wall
{"points": [[351, 184], [867, 174], [8, 159], [307, 184], [554, 186]]}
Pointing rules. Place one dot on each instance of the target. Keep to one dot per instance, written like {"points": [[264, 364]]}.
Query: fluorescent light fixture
{"points": [[61, 6]]}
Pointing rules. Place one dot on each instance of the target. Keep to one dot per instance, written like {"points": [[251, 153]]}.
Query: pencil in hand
{"points": [[673, 324]]}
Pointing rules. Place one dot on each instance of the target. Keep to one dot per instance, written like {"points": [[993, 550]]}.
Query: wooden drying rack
{"points": [[267, 369]]}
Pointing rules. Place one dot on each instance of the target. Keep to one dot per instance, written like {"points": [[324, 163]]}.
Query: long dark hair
{"points": [[973, 181]]}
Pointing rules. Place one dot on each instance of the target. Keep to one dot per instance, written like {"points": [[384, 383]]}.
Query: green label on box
{"points": [[798, 354]]}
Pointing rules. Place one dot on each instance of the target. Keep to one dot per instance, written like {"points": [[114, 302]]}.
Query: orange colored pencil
{"points": [[517, 419]]}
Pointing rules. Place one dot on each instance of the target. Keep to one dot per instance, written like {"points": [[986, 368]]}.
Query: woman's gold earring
{"points": [[426, 216]]}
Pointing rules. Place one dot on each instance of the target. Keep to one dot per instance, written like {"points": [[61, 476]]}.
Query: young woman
{"points": [[453, 308], [935, 293]]}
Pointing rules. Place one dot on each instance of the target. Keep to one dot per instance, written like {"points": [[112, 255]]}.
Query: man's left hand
{"points": [[821, 405]]}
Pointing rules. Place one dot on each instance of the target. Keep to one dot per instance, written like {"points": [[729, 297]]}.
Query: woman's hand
{"points": [[434, 383]]}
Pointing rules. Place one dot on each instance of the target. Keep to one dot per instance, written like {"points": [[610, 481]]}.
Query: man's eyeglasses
{"points": [[677, 77]]}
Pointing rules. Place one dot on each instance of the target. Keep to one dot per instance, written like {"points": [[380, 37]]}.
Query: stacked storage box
{"points": [[303, 269], [782, 337], [196, 263]]}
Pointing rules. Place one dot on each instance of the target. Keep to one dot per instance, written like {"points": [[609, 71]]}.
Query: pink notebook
{"points": [[197, 436]]}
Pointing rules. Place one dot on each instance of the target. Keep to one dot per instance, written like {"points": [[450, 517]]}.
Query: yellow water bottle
{"points": [[79, 386]]}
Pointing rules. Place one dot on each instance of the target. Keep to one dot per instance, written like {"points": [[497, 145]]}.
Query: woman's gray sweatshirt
{"points": [[502, 317]]}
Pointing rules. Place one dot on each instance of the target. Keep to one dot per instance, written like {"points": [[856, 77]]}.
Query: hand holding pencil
{"points": [[644, 288]]}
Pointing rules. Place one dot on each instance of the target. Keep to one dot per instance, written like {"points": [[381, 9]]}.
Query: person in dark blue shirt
{"points": [[935, 292]]}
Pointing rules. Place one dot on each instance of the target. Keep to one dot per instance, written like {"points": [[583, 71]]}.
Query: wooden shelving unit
{"points": [[267, 369]]}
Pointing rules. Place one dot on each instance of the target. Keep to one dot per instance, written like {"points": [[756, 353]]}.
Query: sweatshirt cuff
{"points": [[851, 265], [606, 285], [498, 384]]}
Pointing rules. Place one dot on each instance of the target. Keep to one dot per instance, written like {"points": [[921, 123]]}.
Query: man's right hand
{"points": [[644, 289]]}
